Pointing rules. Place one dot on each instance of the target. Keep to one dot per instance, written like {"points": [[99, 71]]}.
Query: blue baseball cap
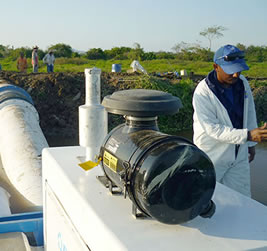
{"points": [[230, 59]]}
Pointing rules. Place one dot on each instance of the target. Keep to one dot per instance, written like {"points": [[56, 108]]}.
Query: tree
{"points": [[137, 53], [95, 53], [118, 53], [149, 55], [165, 55], [4, 50], [256, 53], [212, 32], [61, 50], [187, 51], [180, 47], [241, 47]]}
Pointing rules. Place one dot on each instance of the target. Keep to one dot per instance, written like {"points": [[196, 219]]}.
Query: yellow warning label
{"points": [[88, 165], [110, 161]]}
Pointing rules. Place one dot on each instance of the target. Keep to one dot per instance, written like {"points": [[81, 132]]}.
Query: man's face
{"points": [[225, 78]]}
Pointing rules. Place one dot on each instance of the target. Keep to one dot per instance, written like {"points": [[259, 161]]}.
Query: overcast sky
{"points": [[154, 24]]}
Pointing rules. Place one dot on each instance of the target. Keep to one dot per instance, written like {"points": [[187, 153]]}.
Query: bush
{"points": [[183, 90], [149, 56], [259, 90], [95, 53], [260, 98], [74, 61], [165, 55], [61, 50], [117, 53]]}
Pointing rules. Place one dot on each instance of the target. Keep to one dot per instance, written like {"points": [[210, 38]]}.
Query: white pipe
{"points": [[4, 203], [21, 144], [93, 125]]}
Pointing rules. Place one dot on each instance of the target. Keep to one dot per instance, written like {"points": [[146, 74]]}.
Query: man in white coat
{"points": [[225, 125], [49, 60]]}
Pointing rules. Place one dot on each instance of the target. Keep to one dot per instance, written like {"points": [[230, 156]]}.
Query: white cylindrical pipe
{"points": [[93, 125], [21, 144], [4, 203], [92, 86]]}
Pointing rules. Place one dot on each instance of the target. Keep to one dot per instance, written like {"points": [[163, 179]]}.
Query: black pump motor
{"points": [[166, 177]]}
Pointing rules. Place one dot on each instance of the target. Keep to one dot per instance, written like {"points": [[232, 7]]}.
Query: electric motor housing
{"points": [[167, 177]]}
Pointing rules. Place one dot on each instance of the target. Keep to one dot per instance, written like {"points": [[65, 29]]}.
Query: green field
{"points": [[158, 65], [182, 88]]}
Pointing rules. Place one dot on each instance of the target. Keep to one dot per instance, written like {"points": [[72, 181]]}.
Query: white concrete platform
{"points": [[104, 222]]}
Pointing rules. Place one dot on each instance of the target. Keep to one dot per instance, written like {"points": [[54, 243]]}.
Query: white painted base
{"points": [[105, 222]]}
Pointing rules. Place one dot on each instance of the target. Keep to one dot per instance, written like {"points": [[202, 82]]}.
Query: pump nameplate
{"points": [[110, 161]]}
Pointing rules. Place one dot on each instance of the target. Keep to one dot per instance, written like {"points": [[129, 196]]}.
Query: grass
{"points": [[159, 65]]}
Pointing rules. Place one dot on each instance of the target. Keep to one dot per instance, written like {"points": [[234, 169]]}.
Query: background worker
{"points": [[35, 62], [225, 125], [22, 63], [49, 60]]}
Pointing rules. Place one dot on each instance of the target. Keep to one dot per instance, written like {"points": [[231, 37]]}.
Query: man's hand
{"points": [[252, 153], [258, 134]]}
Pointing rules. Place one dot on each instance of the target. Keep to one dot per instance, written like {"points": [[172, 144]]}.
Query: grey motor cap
{"points": [[142, 103]]}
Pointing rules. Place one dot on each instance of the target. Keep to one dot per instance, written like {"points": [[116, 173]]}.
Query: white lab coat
{"points": [[49, 59], [215, 135]]}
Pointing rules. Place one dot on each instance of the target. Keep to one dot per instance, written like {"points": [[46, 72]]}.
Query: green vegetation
{"points": [[259, 88], [182, 89], [257, 69], [193, 58]]}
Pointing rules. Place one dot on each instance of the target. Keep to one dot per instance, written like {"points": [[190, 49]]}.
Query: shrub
{"points": [[182, 89], [95, 53], [259, 89]]}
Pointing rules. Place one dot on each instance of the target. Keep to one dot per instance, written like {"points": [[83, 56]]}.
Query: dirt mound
{"points": [[57, 96]]}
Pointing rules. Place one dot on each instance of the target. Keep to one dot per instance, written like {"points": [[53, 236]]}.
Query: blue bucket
{"points": [[116, 68]]}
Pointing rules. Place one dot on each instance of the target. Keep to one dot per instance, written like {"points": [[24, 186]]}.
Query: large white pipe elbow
{"points": [[4, 203], [21, 144]]}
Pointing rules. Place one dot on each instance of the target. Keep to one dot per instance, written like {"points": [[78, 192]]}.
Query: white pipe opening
{"points": [[93, 120]]}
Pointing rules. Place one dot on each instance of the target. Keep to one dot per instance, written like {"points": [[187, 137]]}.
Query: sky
{"points": [[157, 25]]}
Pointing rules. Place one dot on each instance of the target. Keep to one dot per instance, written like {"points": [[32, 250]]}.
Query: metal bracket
{"points": [[109, 184], [136, 213]]}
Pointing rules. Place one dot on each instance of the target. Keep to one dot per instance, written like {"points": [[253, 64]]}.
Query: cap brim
{"points": [[232, 67]]}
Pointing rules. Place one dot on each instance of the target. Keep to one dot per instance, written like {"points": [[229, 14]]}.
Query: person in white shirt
{"points": [[49, 60], [225, 125]]}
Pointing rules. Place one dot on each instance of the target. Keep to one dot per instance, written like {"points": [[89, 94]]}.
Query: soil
{"points": [[57, 96]]}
